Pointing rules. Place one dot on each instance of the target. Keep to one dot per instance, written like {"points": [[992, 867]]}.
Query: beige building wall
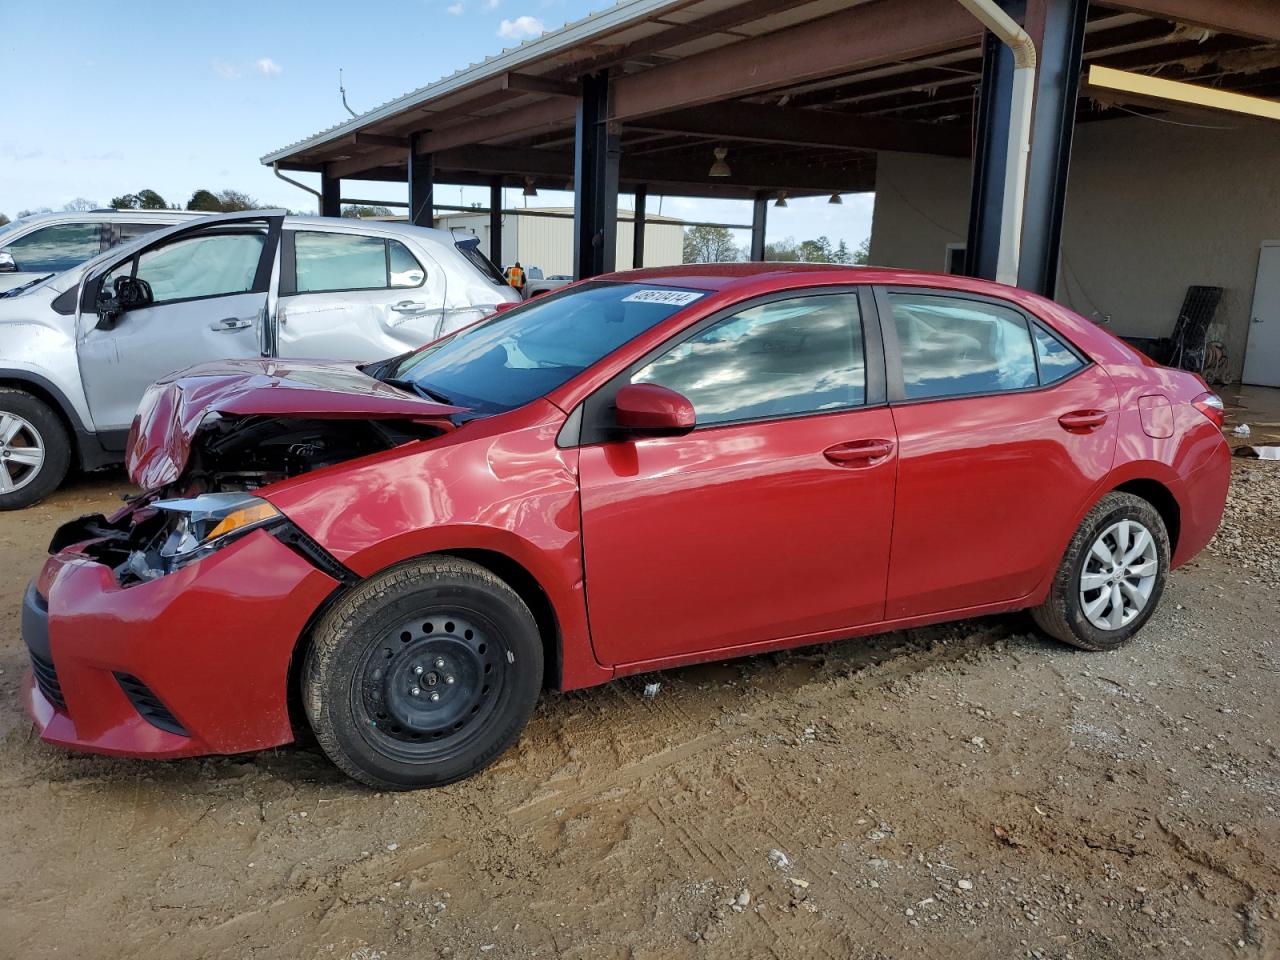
{"points": [[547, 242], [1151, 209]]}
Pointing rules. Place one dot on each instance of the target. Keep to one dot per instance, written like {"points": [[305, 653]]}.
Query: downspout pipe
{"points": [[1022, 102], [275, 168]]}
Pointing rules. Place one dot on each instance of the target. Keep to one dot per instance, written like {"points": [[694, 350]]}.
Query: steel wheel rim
{"points": [[22, 452], [426, 688], [1119, 575]]}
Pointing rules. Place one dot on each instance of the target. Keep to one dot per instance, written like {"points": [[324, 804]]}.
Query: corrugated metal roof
{"points": [[623, 14]]}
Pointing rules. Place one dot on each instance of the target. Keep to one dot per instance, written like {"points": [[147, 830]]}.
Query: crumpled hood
{"points": [[173, 410]]}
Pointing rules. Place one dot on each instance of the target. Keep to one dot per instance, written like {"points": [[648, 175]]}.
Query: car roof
{"points": [[105, 214]]}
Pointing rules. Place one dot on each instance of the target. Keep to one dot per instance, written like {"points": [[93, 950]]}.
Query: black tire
{"points": [[422, 675], [42, 429], [1063, 615]]}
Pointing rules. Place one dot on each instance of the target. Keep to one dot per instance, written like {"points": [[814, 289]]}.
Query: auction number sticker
{"points": [[674, 298]]}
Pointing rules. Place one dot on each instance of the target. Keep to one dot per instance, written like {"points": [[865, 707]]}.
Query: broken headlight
{"points": [[205, 523]]}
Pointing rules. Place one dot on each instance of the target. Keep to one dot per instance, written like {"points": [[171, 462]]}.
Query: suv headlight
{"points": [[210, 521]]}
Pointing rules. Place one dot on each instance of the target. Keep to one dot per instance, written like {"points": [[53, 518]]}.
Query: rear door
{"points": [[355, 296], [771, 520], [209, 284], [1004, 432]]}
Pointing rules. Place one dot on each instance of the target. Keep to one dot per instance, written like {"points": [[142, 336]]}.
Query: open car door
{"points": [[193, 293]]}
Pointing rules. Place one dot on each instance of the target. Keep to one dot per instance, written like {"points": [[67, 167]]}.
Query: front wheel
{"points": [[423, 674], [35, 451], [1111, 577]]}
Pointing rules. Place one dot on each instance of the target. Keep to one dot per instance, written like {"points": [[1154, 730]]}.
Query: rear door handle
{"points": [[408, 306], [1082, 421], [859, 453], [232, 323]]}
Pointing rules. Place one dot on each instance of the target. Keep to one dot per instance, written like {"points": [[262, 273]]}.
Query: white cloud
{"points": [[225, 70], [491, 4], [521, 28], [268, 67], [455, 9]]}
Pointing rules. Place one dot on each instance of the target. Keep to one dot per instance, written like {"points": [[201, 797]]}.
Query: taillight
{"points": [[1210, 404]]}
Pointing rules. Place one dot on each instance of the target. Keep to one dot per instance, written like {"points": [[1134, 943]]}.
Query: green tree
{"points": [[356, 210], [150, 200], [783, 251], [126, 201], [233, 200], [703, 244], [3, 219], [862, 256], [204, 200]]}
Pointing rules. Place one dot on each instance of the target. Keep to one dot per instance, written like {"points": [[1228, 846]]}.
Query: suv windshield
{"points": [[519, 355]]}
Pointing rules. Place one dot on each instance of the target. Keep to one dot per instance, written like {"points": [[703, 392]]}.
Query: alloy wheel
{"points": [[22, 452], [1119, 575]]}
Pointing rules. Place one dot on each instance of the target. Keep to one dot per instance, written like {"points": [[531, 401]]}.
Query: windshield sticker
{"points": [[674, 298]]}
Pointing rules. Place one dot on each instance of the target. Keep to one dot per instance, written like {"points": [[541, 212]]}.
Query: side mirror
{"points": [[652, 409], [7, 264], [129, 294]]}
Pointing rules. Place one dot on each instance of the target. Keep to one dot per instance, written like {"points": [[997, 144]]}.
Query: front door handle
{"points": [[859, 453], [1082, 421], [232, 323], [408, 306]]}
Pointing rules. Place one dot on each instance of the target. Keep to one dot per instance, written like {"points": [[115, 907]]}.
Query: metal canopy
{"points": [[803, 94]]}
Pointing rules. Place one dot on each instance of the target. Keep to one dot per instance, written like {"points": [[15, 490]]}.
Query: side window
{"points": [[207, 265], [779, 359], [327, 262], [124, 232], [57, 247], [403, 269], [952, 346], [1057, 360]]}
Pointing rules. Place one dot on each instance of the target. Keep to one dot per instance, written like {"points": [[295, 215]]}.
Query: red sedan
{"points": [[645, 470]]}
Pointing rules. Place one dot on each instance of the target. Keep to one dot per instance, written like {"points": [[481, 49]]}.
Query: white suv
{"points": [[48, 243], [78, 349]]}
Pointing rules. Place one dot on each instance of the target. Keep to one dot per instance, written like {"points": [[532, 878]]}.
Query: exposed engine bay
{"points": [[231, 457]]}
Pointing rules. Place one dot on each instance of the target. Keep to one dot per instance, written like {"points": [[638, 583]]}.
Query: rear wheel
{"points": [[1112, 575], [423, 675], [35, 450]]}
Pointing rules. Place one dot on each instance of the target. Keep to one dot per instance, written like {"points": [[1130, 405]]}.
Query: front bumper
{"points": [[192, 663]]}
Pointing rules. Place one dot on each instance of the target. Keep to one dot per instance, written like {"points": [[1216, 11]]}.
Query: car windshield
{"points": [[519, 355]]}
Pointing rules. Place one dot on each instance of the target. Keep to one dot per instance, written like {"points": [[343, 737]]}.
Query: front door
{"points": [[772, 518], [1262, 355], [209, 293], [1003, 432], [355, 296]]}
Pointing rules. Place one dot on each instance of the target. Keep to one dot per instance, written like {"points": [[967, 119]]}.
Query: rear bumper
{"points": [[1202, 497], [192, 663]]}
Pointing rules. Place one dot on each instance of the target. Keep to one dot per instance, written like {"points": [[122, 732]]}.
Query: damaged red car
{"points": [[641, 471]]}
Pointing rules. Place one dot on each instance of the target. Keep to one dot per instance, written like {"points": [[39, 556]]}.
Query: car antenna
{"points": [[343, 92]]}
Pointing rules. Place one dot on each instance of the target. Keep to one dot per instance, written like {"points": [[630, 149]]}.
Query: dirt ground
{"points": [[963, 791]]}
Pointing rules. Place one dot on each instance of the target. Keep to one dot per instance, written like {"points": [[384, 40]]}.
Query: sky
{"points": [[104, 97]]}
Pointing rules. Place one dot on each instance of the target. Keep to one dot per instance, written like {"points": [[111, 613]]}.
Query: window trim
{"points": [[597, 422], [893, 353], [289, 265]]}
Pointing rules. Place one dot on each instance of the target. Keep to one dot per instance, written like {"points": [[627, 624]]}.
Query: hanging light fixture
{"points": [[720, 168], [836, 199], [529, 189], [782, 199]]}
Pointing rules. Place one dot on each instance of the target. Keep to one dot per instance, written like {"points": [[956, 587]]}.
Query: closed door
{"points": [[209, 297], [1262, 356], [353, 297], [1004, 432], [772, 518]]}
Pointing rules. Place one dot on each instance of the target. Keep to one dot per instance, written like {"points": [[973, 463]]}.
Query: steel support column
{"points": [[495, 221], [990, 152], [595, 181], [1057, 88], [637, 228], [421, 186], [330, 196], [759, 214]]}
